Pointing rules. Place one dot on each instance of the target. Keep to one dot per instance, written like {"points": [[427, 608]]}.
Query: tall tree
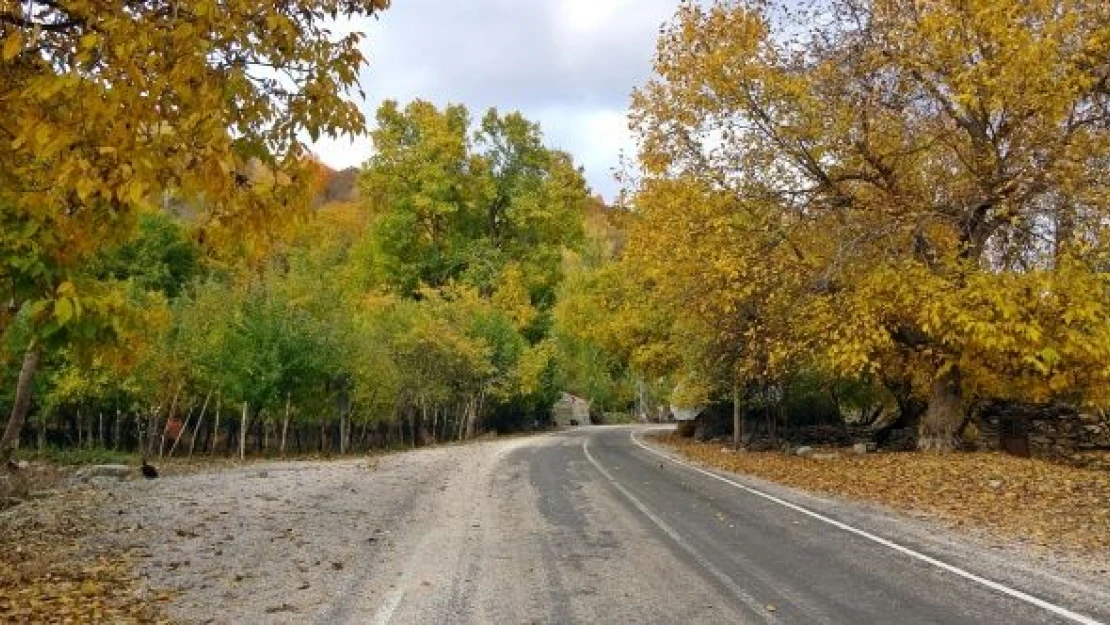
{"points": [[110, 107], [454, 203], [918, 186]]}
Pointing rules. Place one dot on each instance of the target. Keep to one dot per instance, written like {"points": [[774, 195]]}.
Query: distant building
{"points": [[686, 414], [571, 410]]}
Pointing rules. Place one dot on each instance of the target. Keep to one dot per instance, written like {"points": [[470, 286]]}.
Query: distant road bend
{"points": [[595, 525]]}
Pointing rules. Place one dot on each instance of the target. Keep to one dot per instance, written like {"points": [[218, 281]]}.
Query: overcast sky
{"points": [[568, 64]]}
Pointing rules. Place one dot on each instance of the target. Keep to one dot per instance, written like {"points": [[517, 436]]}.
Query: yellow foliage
{"points": [[898, 189], [513, 299]]}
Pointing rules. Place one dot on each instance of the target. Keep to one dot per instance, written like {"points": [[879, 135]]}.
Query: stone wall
{"points": [[1052, 430]]}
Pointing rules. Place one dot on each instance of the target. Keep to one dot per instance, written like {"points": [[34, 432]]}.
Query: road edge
{"points": [[999, 587]]}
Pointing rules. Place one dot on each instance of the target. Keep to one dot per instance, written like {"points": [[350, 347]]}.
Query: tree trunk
{"points": [[141, 434], [342, 432], [200, 422], [910, 409], [285, 423], [435, 423], [471, 417], [22, 403], [43, 422], [737, 417], [265, 437], [216, 424], [243, 434], [116, 432], [184, 426], [942, 419], [165, 428]]}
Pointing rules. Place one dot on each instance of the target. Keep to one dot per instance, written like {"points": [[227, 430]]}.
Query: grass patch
{"points": [[70, 457]]}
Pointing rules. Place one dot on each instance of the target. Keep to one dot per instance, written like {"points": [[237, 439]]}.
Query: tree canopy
{"points": [[904, 190]]}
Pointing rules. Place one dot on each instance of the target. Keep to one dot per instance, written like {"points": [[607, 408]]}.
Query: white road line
{"points": [[993, 585], [702, 561]]}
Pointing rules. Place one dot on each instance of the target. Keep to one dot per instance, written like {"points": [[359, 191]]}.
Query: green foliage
{"points": [[71, 457], [456, 204], [159, 258]]}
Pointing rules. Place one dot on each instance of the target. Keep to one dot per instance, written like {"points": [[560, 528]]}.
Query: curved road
{"points": [[592, 525], [595, 526]]}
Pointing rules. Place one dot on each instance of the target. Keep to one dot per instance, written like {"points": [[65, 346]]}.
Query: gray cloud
{"points": [[568, 64]]}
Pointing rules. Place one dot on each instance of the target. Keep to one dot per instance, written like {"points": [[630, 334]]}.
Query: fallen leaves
{"points": [[1040, 502], [49, 575]]}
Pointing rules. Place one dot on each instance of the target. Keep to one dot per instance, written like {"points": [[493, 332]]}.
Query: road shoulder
{"points": [[1082, 584]]}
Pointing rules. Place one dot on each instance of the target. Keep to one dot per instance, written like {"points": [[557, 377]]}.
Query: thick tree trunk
{"points": [[910, 409], [22, 404], [939, 427]]}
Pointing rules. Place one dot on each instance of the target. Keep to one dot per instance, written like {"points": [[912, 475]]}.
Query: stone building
{"points": [[571, 410]]}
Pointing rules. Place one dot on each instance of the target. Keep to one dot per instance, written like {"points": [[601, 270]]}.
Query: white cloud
{"points": [[568, 64]]}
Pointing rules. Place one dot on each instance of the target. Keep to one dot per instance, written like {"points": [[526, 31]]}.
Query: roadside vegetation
{"points": [[234, 296]]}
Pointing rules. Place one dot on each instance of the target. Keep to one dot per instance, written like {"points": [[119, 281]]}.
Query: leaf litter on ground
{"points": [[1044, 504], [50, 573]]}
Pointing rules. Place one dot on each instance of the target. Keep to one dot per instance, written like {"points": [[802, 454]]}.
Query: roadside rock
{"points": [[118, 471], [805, 452], [863, 449]]}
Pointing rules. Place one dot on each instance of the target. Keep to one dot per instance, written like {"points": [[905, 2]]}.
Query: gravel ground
{"points": [[281, 542]]}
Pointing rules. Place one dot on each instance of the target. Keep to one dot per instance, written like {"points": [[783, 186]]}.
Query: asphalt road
{"points": [[592, 526]]}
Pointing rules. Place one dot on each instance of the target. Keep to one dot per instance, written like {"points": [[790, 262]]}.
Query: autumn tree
{"points": [[111, 108], [452, 202], [912, 190]]}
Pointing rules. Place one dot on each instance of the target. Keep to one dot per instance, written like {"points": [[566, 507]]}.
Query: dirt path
{"points": [[508, 531], [279, 543]]}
